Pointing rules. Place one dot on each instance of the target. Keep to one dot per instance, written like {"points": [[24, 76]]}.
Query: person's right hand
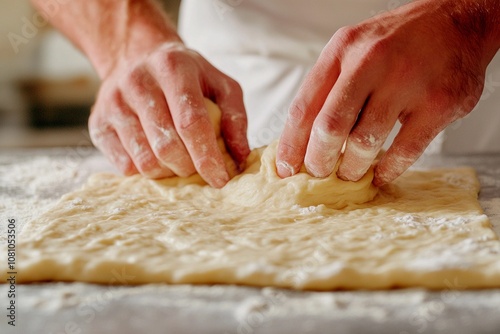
{"points": [[150, 116]]}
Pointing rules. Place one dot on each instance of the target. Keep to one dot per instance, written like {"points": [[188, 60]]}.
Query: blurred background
{"points": [[47, 86]]}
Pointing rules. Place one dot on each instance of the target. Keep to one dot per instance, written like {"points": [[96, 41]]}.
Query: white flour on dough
{"points": [[426, 230]]}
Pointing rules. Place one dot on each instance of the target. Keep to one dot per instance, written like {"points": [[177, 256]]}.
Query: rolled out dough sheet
{"points": [[426, 230]]}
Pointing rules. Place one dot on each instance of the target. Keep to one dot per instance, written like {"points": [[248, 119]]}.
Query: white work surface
{"points": [[32, 180]]}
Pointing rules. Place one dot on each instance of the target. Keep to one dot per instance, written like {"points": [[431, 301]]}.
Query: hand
{"points": [[150, 116], [422, 64]]}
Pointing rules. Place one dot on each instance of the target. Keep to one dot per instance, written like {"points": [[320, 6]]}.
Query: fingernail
{"points": [[343, 177], [284, 169], [349, 175], [311, 170], [156, 173], [219, 183], [221, 180], [242, 163], [213, 171]]}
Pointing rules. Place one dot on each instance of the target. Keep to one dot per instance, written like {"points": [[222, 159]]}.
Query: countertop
{"points": [[32, 180]]}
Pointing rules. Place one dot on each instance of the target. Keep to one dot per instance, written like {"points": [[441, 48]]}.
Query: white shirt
{"points": [[268, 46]]}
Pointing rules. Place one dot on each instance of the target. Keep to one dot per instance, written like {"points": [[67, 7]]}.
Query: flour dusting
{"points": [[432, 223], [30, 185]]}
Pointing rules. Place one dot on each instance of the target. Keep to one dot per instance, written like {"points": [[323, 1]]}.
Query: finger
{"points": [[107, 141], [303, 110], [229, 97], [366, 138], [146, 99], [187, 106], [414, 136], [334, 122], [134, 141]]}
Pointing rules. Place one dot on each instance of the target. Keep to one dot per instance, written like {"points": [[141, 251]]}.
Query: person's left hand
{"points": [[423, 64]]}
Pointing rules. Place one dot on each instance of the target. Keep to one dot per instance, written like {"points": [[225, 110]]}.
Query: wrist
{"points": [[109, 31], [140, 28], [146, 29], [495, 25], [489, 13], [479, 22]]}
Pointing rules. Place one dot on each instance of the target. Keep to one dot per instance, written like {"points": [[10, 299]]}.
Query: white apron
{"points": [[268, 46]]}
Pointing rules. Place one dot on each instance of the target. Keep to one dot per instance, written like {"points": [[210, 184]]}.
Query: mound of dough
{"points": [[215, 118], [428, 230], [260, 184]]}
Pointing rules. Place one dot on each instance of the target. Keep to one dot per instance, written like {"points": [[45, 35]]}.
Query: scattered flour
{"points": [[432, 224], [307, 210], [30, 185]]}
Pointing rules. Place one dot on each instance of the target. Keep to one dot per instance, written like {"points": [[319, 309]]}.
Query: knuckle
{"points": [[189, 119], [127, 167], [441, 99], [405, 116], [115, 101], [138, 85], [346, 35], [94, 118], [145, 162], [135, 76], [330, 123], [409, 149], [298, 113], [145, 166], [164, 148], [377, 49], [118, 114], [341, 42], [234, 86], [445, 105], [119, 158], [173, 155], [135, 80], [365, 140], [96, 135], [98, 129], [172, 60]]}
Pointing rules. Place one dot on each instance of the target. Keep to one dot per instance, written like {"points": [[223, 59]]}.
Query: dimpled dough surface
{"points": [[426, 230]]}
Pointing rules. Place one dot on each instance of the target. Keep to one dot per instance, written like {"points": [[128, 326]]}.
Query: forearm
{"points": [[480, 21], [493, 13], [108, 30]]}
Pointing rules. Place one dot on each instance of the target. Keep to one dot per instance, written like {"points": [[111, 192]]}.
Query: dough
{"points": [[260, 185], [215, 118], [426, 230]]}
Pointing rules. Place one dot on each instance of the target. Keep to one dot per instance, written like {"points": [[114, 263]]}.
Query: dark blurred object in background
{"points": [[47, 87]]}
